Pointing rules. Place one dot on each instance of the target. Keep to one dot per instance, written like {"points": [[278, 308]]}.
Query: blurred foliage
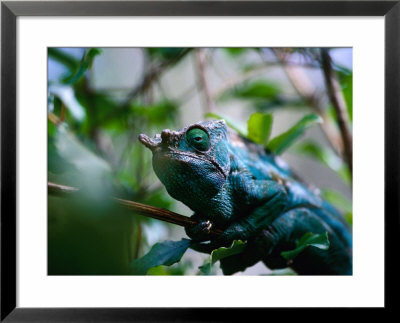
{"points": [[325, 156], [341, 202], [260, 89], [92, 145]]}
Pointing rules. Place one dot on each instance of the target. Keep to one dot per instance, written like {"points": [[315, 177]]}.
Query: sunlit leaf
{"points": [[165, 253], [259, 127], [282, 142], [319, 241], [236, 247]]}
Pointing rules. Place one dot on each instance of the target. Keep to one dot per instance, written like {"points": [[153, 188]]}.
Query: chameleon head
{"points": [[192, 163]]}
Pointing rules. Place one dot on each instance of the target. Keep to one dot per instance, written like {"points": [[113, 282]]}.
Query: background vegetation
{"points": [[99, 100]]}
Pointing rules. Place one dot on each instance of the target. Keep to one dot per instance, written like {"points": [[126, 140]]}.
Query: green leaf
{"points": [[158, 113], [85, 64], [236, 247], [259, 127], [326, 156], [235, 51], [320, 241], [282, 142], [257, 90], [341, 202], [164, 253], [231, 124]]}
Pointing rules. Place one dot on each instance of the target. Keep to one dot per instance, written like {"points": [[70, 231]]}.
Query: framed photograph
{"points": [[180, 155]]}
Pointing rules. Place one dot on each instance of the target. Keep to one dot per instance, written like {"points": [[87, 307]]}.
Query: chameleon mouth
{"points": [[157, 142], [200, 158]]}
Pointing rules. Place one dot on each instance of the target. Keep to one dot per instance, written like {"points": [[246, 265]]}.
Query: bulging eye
{"points": [[198, 139]]}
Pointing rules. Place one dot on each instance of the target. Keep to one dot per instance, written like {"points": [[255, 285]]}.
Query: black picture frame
{"points": [[10, 10]]}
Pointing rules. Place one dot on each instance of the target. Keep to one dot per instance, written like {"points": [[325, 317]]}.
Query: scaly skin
{"points": [[234, 184]]}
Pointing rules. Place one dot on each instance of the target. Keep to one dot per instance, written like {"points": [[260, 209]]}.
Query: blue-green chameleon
{"points": [[238, 186]]}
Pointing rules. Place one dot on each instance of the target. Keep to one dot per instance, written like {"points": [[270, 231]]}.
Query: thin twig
{"points": [[200, 62], [153, 75], [53, 118], [306, 90], [339, 104], [142, 209], [233, 82], [60, 190], [253, 72]]}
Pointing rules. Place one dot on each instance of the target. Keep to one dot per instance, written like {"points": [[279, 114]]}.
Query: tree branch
{"points": [[154, 74], [339, 104], [142, 209], [200, 61], [305, 89]]}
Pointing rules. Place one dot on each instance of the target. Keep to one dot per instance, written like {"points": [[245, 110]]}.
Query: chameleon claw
{"points": [[209, 226]]}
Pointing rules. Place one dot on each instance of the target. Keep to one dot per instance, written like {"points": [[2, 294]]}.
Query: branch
{"points": [[306, 90], [154, 74], [200, 61], [255, 71], [339, 104], [142, 209]]}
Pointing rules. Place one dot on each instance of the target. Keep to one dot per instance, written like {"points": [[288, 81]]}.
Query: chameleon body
{"points": [[238, 186]]}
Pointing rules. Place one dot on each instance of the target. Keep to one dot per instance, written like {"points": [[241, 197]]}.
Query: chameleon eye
{"points": [[198, 139]]}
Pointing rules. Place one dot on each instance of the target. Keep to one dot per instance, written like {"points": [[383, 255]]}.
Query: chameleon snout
{"points": [[166, 138], [148, 142]]}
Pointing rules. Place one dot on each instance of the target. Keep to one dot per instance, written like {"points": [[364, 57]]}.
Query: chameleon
{"points": [[241, 188]]}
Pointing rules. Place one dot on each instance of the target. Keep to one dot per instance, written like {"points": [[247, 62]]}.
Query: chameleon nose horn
{"points": [[147, 141]]}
